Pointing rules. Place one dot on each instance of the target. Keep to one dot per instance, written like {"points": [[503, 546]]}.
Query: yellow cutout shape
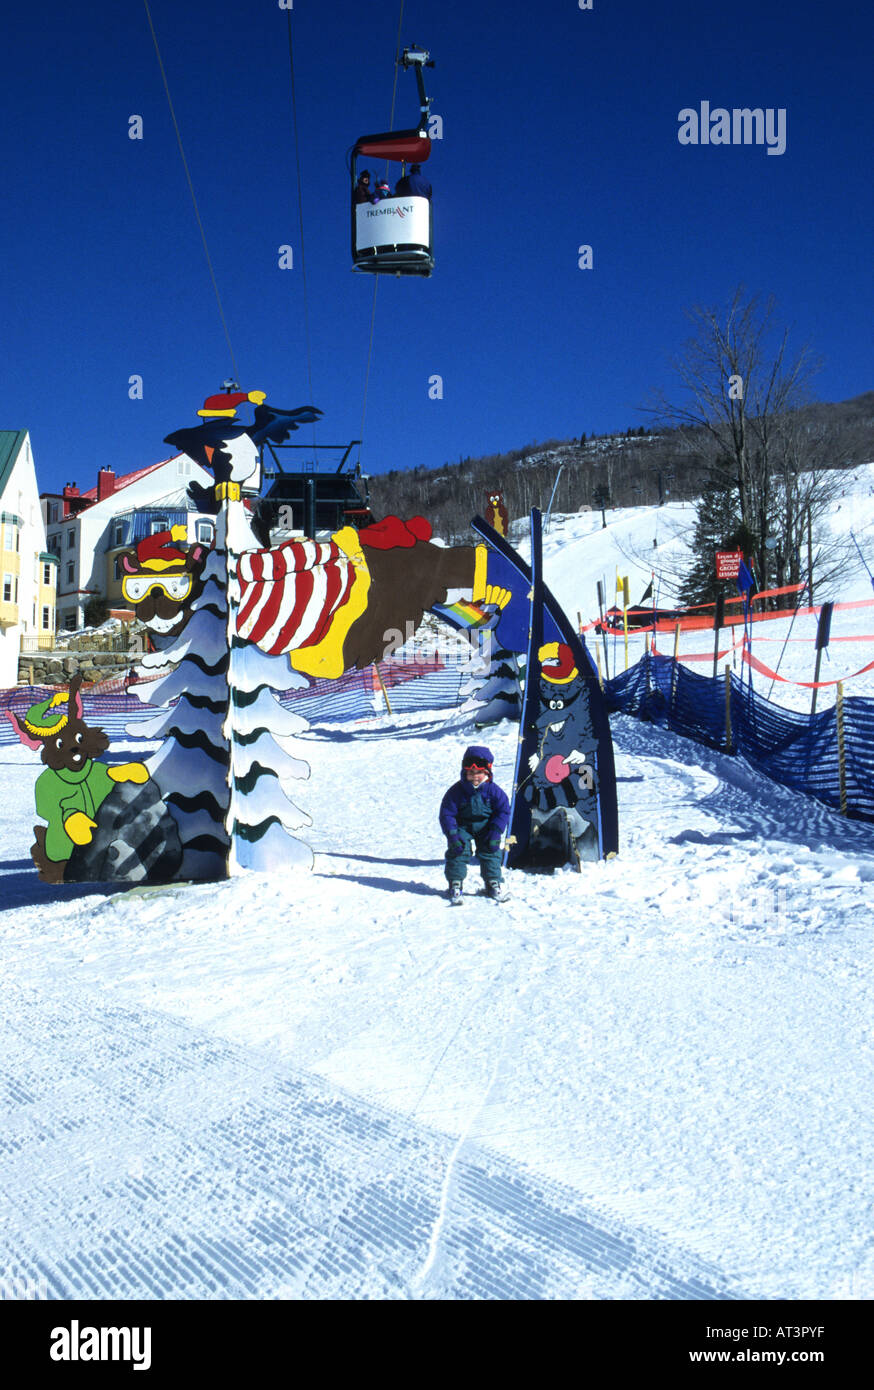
{"points": [[326, 658]]}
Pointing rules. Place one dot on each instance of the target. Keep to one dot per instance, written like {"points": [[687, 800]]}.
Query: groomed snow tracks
{"points": [[143, 1159]]}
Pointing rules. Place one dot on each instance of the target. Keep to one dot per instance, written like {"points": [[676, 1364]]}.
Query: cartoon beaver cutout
{"points": [[162, 577], [104, 822], [561, 788]]}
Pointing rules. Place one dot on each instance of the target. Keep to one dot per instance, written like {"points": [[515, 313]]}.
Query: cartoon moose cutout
{"points": [[104, 822]]}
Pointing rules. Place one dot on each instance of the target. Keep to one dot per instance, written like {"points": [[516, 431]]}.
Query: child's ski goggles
{"points": [[174, 586]]}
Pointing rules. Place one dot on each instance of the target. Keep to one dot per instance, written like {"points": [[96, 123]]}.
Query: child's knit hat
{"points": [[478, 756]]}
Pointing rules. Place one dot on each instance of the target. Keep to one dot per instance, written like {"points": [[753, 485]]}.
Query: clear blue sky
{"points": [[560, 128]]}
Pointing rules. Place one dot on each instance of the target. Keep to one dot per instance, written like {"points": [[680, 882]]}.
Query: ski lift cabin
{"points": [[393, 235]]}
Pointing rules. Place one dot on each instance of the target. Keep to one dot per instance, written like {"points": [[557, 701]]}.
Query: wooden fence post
{"points": [[598, 659], [842, 765], [675, 667], [381, 686]]}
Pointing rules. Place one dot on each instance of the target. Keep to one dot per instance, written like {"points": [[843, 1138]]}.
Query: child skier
{"points": [[474, 811]]}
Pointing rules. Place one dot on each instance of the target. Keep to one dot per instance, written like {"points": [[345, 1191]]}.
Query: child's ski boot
{"points": [[496, 891], [454, 894]]}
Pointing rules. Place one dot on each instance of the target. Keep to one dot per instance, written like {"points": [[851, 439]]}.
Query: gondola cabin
{"points": [[393, 234]]}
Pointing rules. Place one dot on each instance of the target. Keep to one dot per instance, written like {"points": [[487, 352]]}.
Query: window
{"points": [[159, 523], [7, 588], [46, 619], [118, 533], [120, 570], [47, 575], [205, 532], [53, 512], [71, 572], [55, 545], [10, 535], [71, 538], [70, 622]]}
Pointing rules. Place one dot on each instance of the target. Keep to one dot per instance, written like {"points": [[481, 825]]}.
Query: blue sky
{"points": [[560, 128]]}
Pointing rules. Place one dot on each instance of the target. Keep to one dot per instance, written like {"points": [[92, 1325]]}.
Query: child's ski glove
{"points": [[457, 844]]}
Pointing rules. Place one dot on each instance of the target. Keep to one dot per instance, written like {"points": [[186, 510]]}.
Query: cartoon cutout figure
{"points": [[162, 577], [74, 786], [562, 783], [496, 513], [334, 605]]}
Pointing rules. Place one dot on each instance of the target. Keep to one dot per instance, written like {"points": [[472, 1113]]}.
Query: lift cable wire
{"points": [[303, 268], [191, 191], [391, 126]]}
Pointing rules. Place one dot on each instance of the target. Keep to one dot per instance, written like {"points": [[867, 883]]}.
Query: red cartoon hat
{"points": [[158, 552], [224, 405]]}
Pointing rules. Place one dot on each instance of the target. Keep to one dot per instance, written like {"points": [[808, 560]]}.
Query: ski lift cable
{"points": [[391, 126], [303, 269], [191, 191]]}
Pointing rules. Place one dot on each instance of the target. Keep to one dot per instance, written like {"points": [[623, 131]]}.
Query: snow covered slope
{"points": [[578, 553], [649, 1081]]}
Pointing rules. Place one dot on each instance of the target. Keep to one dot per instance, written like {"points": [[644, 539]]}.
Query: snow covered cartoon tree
{"points": [[491, 681], [261, 818], [223, 769], [192, 766]]}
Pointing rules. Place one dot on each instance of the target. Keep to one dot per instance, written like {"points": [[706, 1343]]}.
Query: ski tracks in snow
{"points": [[146, 1159]]}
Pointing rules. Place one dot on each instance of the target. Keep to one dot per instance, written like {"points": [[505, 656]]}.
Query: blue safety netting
{"points": [[790, 747], [355, 696]]}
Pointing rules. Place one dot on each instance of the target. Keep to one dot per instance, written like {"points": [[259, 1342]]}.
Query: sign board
{"points": [[393, 222], [728, 564]]}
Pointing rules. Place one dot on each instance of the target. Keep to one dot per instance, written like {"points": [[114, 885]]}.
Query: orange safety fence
{"points": [[764, 670], [704, 623]]}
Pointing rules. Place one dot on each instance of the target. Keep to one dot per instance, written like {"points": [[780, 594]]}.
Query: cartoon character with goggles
{"points": [[161, 578]]}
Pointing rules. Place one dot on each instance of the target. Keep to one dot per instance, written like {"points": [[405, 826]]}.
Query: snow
{"points": [[578, 553], [651, 1080]]}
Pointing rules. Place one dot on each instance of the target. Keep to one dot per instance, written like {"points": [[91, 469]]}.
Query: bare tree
{"points": [[740, 383]]}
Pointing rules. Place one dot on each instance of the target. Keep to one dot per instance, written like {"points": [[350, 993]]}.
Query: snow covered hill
{"points": [[578, 553], [651, 1080]]}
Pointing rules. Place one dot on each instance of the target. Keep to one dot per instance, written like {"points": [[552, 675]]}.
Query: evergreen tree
{"points": [[718, 527]]}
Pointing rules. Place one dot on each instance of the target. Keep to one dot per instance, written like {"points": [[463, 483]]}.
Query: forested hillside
{"points": [[637, 467]]}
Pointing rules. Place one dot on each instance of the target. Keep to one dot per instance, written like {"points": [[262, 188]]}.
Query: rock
{"points": [[136, 840]]}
